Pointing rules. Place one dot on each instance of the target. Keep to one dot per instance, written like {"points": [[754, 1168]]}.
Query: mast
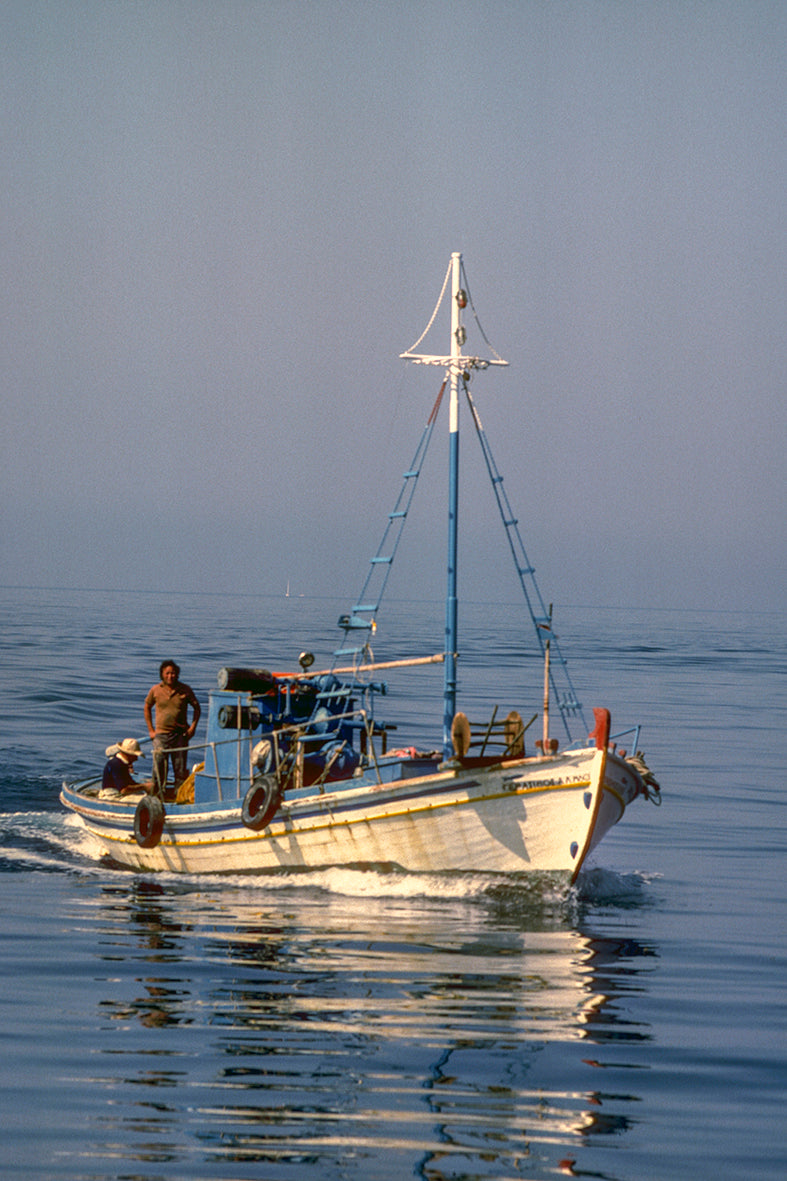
{"points": [[459, 368], [451, 602]]}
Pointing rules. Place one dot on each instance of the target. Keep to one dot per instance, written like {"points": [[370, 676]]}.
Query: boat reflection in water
{"points": [[381, 1033]]}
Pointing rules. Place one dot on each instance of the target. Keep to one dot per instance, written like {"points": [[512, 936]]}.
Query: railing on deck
{"points": [[289, 747]]}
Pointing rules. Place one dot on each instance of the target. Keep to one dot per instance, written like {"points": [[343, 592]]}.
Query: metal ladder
{"points": [[362, 617], [566, 699]]}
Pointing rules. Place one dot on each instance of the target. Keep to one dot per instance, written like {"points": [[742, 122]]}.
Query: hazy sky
{"points": [[222, 222]]}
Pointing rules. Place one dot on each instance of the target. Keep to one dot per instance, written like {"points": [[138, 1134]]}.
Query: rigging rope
{"points": [[475, 316], [434, 313]]}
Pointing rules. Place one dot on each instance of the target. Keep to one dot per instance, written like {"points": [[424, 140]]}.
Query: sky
{"points": [[223, 222]]}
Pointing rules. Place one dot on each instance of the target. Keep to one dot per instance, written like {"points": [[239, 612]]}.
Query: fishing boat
{"points": [[299, 771]]}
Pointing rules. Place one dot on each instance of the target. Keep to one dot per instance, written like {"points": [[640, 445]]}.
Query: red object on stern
{"points": [[601, 733]]}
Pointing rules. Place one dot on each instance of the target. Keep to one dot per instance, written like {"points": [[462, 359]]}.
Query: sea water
{"points": [[357, 1025]]}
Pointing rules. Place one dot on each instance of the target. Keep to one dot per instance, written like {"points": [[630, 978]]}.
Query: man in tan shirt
{"points": [[171, 731]]}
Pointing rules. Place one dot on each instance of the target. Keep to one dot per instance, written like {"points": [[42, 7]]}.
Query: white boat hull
{"points": [[533, 814]]}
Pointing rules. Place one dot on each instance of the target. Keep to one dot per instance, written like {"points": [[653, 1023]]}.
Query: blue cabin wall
{"points": [[230, 756], [228, 773]]}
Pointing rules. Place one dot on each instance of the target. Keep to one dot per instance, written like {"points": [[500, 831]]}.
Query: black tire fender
{"points": [[148, 822], [261, 802]]}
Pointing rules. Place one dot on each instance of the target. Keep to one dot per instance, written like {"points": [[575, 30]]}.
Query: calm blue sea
{"points": [[348, 1025]]}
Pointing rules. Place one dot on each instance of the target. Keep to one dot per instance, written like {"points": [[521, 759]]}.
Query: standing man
{"points": [[171, 732]]}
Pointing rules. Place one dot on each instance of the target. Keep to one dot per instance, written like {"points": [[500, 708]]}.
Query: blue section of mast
{"points": [[451, 608]]}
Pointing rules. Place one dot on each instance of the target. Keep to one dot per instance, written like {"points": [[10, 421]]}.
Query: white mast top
{"points": [[456, 361]]}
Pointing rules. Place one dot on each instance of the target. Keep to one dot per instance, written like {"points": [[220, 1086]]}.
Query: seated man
{"points": [[117, 773]]}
